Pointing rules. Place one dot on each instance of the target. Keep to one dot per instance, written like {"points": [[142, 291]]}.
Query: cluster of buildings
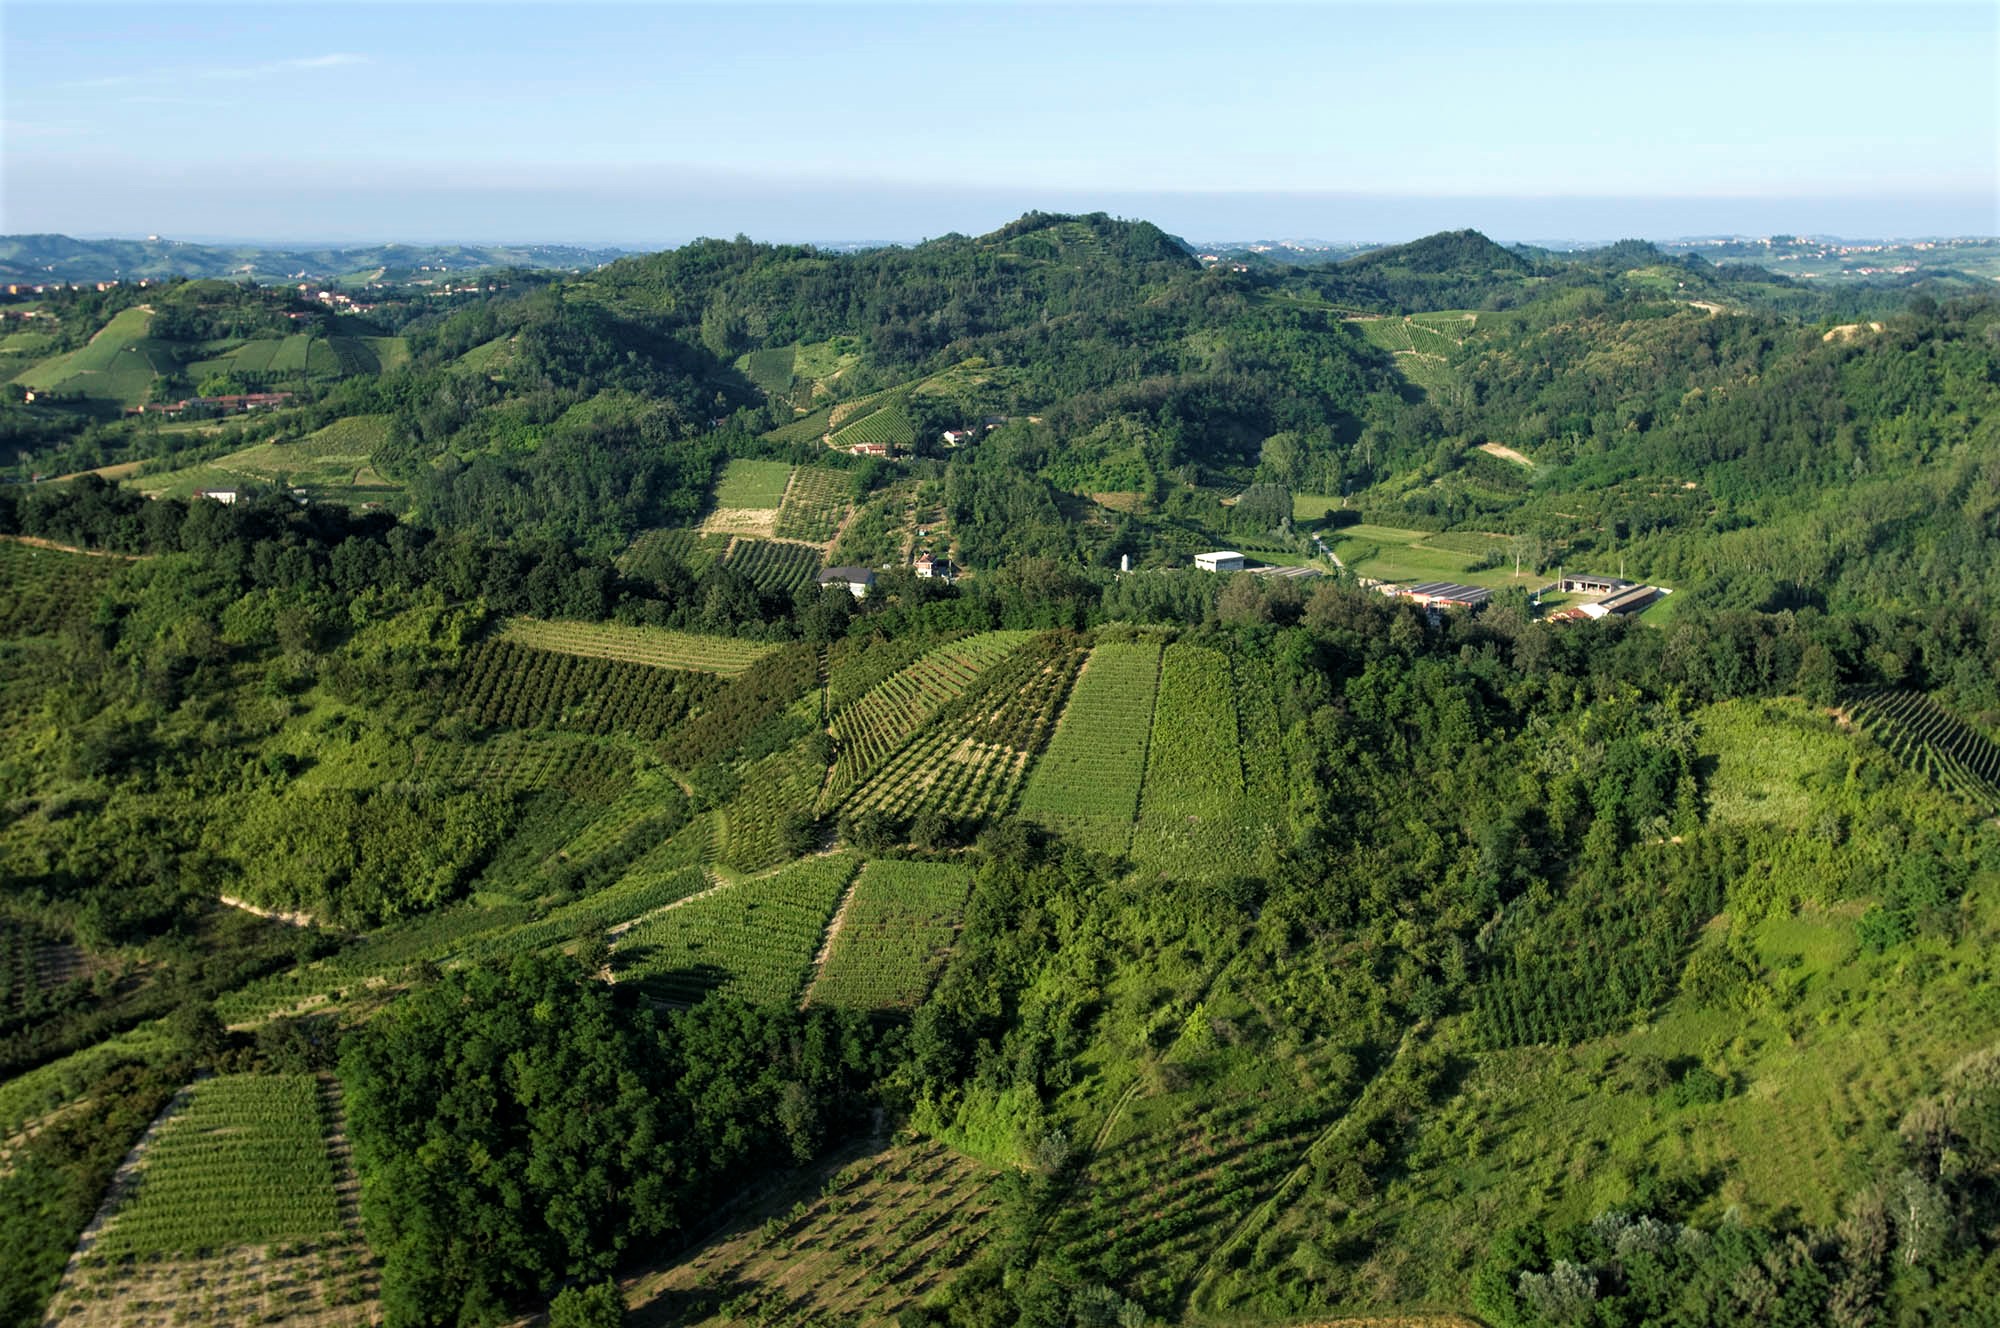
{"points": [[858, 581], [222, 405]]}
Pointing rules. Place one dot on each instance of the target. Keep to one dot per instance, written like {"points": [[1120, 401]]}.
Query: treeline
{"points": [[518, 1129]]}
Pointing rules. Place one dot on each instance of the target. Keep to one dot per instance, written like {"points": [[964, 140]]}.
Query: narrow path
{"points": [[611, 934], [290, 919], [833, 928], [37, 542], [121, 1180]]}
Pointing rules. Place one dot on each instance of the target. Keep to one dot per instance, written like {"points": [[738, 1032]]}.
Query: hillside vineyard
{"points": [[1037, 779]]}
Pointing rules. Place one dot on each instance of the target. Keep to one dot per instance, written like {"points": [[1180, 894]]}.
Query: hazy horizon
{"points": [[643, 125]]}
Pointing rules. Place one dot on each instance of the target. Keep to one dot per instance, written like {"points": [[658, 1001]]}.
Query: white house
{"points": [[858, 581], [1222, 560]]}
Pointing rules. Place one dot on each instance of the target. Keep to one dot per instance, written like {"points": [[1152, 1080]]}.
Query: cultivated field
{"points": [[893, 935], [238, 1207], [883, 1232], [1192, 803], [41, 589], [755, 939], [691, 549], [867, 733], [1086, 784], [504, 682], [815, 503], [777, 567], [725, 656], [759, 484]]}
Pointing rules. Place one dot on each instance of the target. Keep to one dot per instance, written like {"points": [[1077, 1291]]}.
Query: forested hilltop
{"points": [[711, 792]]}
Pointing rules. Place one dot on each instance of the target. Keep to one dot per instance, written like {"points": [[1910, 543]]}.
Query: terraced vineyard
{"points": [[880, 1235], [894, 936], [1193, 795], [502, 682], [815, 503], [41, 589], [775, 566], [873, 728], [725, 656], [1926, 737], [968, 763], [755, 939], [1086, 785]]}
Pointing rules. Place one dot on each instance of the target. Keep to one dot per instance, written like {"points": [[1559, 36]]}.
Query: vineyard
{"points": [[234, 1214], [691, 549], [1926, 737], [761, 826], [1193, 794], [869, 731], [814, 504], [880, 1235], [857, 663], [755, 939], [1087, 783], [894, 935], [41, 589], [881, 420], [968, 763], [757, 484], [725, 656], [504, 683], [776, 567], [243, 1162], [753, 699], [770, 370], [511, 762], [806, 429]]}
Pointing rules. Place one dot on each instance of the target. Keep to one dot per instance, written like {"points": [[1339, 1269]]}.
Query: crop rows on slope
{"points": [[1193, 793], [777, 567], [690, 548], [613, 841], [752, 699], [806, 429], [1262, 742], [814, 504], [244, 1161], [504, 683], [886, 422], [755, 939], [968, 762], [868, 732], [42, 589], [893, 936], [1925, 736], [773, 791], [726, 656], [1154, 1204], [770, 370], [511, 762], [1087, 783], [858, 662]]}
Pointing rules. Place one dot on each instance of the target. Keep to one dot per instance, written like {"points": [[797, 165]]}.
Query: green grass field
{"points": [[118, 366], [756, 484]]}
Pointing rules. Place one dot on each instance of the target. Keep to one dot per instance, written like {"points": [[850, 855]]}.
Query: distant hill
{"points": [[1449, 252], [46, 258]]}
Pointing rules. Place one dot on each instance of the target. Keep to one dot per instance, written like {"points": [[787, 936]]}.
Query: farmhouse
{"points": [[1222, 560], [857, 581], [1439, 594], [931, 566], [223, 496], [953, 437], [1583, 583], [869, 449]]}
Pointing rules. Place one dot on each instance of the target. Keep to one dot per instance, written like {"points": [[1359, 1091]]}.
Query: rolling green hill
{"points": [[1063, 942]]}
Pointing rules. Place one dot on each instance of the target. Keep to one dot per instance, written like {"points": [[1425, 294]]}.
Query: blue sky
{"points": [[649, 123]]}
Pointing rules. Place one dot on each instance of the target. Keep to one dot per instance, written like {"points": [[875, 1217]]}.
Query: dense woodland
{"points": [[1625, 972]]}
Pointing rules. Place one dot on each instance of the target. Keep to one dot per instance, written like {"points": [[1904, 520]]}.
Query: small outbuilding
{"points": [[1222, 560], [857, 581], [1583, 583]]}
